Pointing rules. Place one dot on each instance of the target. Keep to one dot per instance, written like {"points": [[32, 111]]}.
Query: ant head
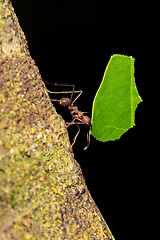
{"points": [[65, 102]]}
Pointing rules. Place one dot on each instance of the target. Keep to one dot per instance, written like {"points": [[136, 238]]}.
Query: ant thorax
{"points": [[74, 110]]}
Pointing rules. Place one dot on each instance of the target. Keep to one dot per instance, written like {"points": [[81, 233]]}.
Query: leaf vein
{"points": [[115, 128]]}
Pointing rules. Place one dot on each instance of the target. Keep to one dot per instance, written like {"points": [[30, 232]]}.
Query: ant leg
{"points": [[72, 93], [77, 96], [72, 122], [65, 92], [59, 84], [74, 140], [88, 140], [65, 85]]}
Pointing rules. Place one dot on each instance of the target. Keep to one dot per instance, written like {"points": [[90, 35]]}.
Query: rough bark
{"points": [[43, 194]]}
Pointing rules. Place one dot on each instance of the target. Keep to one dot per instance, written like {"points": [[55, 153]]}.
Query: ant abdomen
{"points": [[87, 120]]}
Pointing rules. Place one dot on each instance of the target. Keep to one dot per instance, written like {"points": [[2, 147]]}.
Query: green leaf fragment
{"points": [[116, 100]]}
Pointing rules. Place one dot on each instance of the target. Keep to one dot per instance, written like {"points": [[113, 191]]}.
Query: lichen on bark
{"points": [[43, 194]]}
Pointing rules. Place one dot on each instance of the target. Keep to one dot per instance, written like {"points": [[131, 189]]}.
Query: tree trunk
{"points": [[43, 194]]}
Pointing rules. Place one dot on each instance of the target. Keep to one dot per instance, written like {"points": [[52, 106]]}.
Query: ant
{"points": [[77, 116]]}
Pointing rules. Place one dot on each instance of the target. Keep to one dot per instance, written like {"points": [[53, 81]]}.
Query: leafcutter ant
{"points": [[78, 117]]}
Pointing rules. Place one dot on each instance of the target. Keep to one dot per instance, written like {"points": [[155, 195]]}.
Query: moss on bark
{"points": [[43, 194]]}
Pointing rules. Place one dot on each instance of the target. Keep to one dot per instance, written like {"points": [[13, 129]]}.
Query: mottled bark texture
{"points": [[43, 194]]}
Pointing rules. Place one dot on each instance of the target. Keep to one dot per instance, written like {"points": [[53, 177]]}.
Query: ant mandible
{"points": [[77, 116]]}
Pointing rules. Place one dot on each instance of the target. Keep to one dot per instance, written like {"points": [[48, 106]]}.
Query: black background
{"points": [[71, 42]]}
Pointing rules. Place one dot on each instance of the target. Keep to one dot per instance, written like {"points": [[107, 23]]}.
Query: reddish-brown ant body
{"points": [[77, 116]]}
